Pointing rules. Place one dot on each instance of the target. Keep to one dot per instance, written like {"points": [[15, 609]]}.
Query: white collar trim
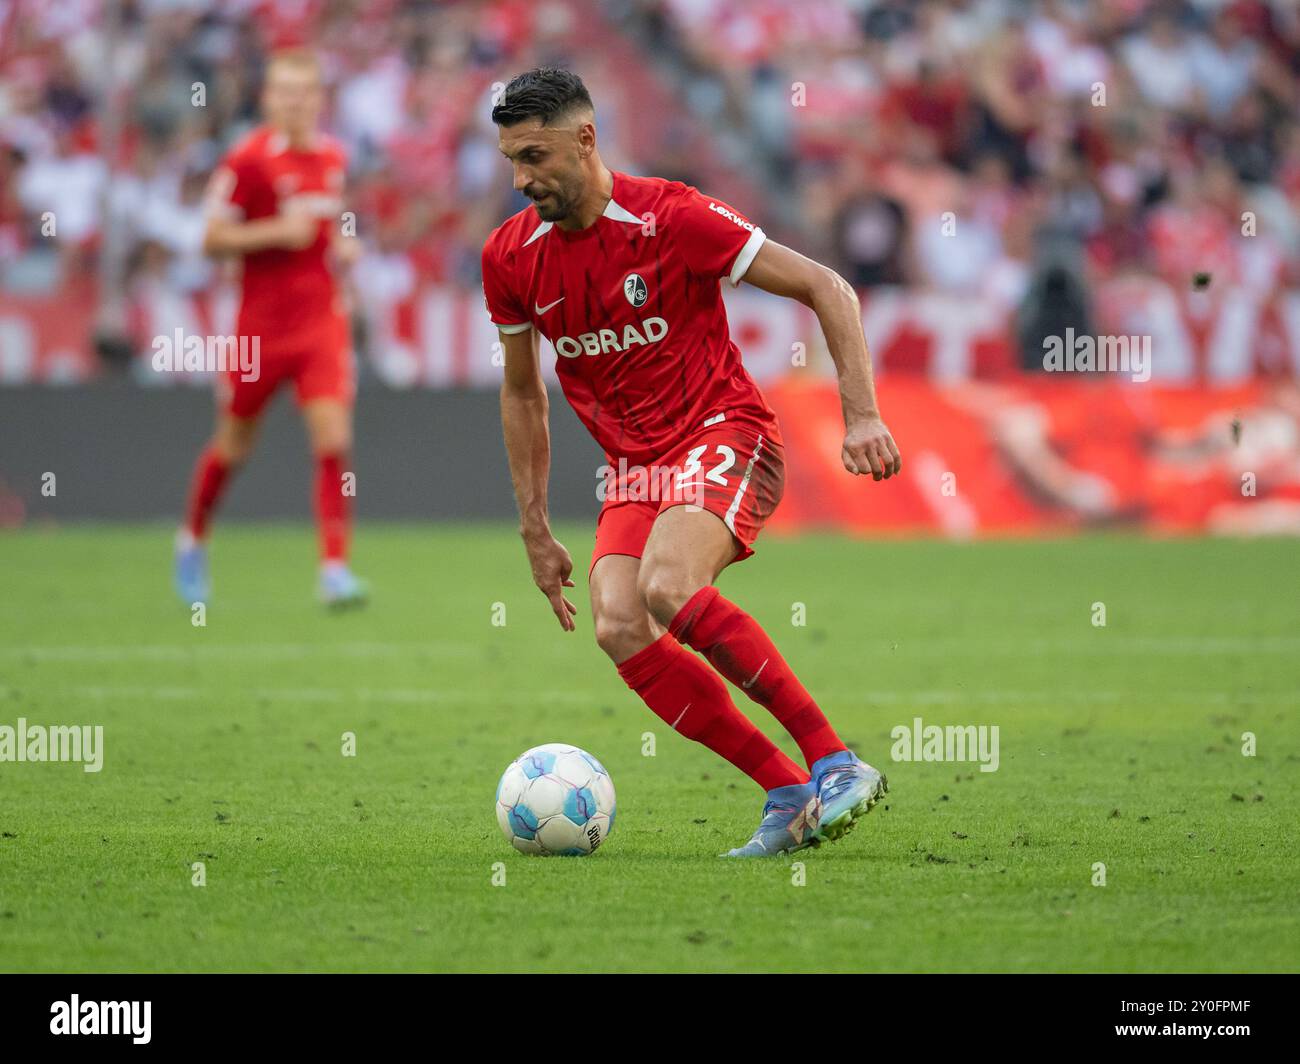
{"points": [[619, 214], [612, 210], [540, 231]]}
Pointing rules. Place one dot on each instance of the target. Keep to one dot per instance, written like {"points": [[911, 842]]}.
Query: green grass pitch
{"points": [[1119, 745]]}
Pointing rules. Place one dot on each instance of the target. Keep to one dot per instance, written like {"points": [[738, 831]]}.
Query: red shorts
{"points": [[732, 471], [320, 367]]}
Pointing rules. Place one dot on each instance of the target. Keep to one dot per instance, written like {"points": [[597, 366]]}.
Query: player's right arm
{"points": [[868, 444], [717, 242], [525, 412], [227, 232], [292, 231]]}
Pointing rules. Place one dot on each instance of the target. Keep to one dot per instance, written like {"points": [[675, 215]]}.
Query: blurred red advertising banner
{"points": [[439, 336], [1049, 454]]}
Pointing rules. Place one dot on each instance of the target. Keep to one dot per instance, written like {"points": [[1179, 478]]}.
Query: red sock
{"points": [[737, 647], [206, 486], [688, 696], [333, 509]]}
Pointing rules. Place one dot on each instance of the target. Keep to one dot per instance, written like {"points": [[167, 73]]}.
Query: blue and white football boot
{"points": [[191, 570], [789, 823], [339, 589], [847, 788]]}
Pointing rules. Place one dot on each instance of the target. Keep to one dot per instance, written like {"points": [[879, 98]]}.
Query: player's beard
{"points": [[558, 205]]}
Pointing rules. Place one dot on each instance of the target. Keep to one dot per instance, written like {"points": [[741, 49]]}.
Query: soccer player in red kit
{"points": [[276, 202], [623, 275]]}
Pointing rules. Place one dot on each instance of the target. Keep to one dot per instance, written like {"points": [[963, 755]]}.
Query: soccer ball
{"points": [[555, 800]]}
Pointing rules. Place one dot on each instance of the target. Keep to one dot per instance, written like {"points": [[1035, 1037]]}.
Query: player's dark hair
{"points": [[546, 93]]}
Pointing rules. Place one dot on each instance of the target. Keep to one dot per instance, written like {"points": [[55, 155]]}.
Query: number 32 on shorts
{"points": [[693, 465]]}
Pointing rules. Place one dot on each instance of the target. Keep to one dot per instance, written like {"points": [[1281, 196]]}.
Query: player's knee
{"points": [[664, 590], [331, 442], [620, 634], [233, 446], [622, 627], [329, 430]]}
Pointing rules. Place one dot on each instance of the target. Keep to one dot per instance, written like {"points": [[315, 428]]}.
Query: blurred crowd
{"points": [[116, 128], [1157, 136], [953, 144]]}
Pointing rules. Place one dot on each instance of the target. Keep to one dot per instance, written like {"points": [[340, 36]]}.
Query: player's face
{"points": [[548, 166], [292, 98]]}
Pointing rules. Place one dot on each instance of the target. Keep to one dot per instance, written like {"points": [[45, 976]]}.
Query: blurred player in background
{"points": [[623, 275], [276, 203]]}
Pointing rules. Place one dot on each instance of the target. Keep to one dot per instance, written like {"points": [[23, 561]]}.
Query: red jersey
{"points": [[633, 306], [285, 293]]}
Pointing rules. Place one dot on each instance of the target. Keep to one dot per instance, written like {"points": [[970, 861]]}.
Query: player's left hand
{"points": [[345, 250], [869, 447]]}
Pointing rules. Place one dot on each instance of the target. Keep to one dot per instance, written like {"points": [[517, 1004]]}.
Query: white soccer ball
{"points": [[555, 800]]}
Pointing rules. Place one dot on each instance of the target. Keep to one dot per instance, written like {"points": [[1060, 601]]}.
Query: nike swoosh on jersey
{"points": [[539, 311]]}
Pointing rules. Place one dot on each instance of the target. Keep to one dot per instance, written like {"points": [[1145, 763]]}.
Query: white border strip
{"points": [[746, 256], [730, 519]]}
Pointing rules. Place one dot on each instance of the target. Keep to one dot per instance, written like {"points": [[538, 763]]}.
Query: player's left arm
{"points": [[868, 444], [345, 247], [345, 244]]}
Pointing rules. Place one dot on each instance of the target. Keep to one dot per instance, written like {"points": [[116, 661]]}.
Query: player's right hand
{"points": [[869, 448], [552, 567], [298, 230]]}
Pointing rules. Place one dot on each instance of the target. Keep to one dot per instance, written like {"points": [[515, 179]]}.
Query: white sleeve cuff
{"points": [[510, 330], [746, 256]]}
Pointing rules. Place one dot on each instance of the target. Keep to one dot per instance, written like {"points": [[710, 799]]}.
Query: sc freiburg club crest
{"points": [[635, 290]]}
